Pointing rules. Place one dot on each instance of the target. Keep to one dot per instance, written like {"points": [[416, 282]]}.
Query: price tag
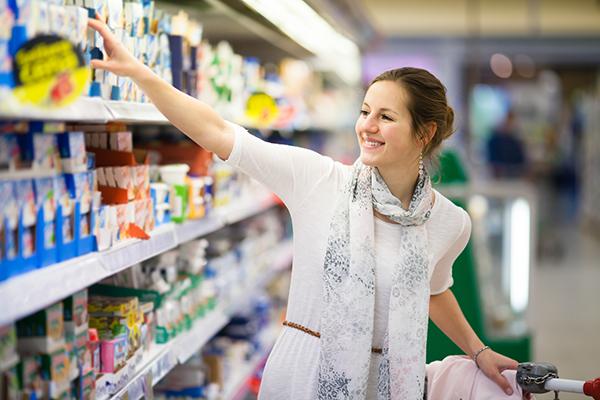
{"points": [[148, 386], [135, 391]]}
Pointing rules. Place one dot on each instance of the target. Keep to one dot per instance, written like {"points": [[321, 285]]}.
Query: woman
{"points": [[374, 243]]}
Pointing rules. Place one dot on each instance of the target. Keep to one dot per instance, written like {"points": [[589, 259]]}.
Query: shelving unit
{"points": [[53, 283], [131, 381], [86, 109], [251, 34], [236, 388]]}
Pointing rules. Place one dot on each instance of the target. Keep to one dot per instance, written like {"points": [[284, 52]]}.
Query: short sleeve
{"points": [[288, 171], [441, 280]]}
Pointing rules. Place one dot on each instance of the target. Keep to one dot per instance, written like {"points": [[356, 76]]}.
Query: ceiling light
{"points": [[307, 28], [501, 65]]}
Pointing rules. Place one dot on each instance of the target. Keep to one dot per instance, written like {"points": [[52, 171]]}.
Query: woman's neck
{"points": [[401, 184]]}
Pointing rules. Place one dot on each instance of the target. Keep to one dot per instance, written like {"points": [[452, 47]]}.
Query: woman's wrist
{"points": [[478, 352], [141, 73]]}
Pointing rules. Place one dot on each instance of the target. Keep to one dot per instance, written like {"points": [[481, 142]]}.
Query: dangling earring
{"points": [[421, 165]]}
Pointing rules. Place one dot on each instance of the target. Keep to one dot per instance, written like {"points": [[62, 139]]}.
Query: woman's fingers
{"points": [[502, 382], [508, 363], [99, 64], [101, 28]]}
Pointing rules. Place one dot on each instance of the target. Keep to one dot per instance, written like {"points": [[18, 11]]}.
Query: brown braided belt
{"points": [[317, 334]]}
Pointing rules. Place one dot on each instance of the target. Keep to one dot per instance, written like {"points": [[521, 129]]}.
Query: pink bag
{"points": [[458, 378]]}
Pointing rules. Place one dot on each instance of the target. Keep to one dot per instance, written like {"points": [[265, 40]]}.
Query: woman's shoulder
{"points": [[447, 219]]}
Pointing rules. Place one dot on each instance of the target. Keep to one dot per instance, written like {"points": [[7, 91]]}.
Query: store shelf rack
{"points": [[85, 109], [236, 388], [27, 293], [134, 380]]}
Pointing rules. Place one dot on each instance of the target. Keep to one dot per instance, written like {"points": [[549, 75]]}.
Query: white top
{"points": [[309, 184]]}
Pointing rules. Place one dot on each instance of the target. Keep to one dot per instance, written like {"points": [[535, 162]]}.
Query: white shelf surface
{"points": [[131, 382], [85, 109], [32, 291]]}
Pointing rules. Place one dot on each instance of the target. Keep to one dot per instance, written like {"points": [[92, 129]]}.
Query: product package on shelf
{"points": [[185, 169], [227, 364], [9, 361], [8, 347], [123, 179], [173, 285]]}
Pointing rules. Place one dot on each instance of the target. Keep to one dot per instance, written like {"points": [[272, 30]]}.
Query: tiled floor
{"points": [[565, 309]]}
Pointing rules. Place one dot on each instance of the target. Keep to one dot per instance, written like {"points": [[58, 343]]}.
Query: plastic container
{"points": [[174, 174]]}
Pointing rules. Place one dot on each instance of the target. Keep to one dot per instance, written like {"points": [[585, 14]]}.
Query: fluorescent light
{"points": [[303, 25], [520, 217]]}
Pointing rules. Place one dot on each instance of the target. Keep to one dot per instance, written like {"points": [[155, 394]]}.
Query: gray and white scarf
{"points": [[349, 293]]}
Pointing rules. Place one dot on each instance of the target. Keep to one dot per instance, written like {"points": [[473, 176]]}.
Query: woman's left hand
{"points": [[492, 364]]}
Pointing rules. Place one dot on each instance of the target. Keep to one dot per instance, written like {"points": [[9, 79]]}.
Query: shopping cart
{"points": [[543, 378]]}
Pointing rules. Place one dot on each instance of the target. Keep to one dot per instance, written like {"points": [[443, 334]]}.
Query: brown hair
{"points": [[426, 103]]}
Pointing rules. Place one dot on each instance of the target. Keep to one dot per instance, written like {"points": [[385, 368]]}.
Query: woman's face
{"points": [[384, 128]]}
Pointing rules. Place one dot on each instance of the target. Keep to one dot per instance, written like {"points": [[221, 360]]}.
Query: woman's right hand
{"points": [[120, 61]]}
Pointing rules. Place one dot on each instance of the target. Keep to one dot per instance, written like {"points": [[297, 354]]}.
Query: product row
{"points": [[67, 191], [91, 344], [171, 45]]}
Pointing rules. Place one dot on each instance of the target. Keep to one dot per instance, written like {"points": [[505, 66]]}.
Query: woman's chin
{"points": [[368, 160]]}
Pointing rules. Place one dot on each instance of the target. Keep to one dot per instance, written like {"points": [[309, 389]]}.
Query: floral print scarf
{"points": [[349, 293]]}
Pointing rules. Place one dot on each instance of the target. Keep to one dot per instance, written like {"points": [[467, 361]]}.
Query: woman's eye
{"points": [[364, 113], [386, 118]]}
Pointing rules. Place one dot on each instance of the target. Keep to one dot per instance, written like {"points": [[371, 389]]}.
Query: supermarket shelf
{"points": [[24, 294], [8, 175], [193, 340], [246, 208], [86, 109], [51, 284], [236, 388], [90, 110], [190, 230], [132, 381], [124, 255], [130, 112]]}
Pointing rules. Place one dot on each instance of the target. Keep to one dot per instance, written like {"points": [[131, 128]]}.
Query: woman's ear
{"points": [[430, 130]]}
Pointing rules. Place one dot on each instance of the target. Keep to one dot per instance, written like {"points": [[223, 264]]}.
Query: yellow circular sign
{"points": [[262, 110], [49, 71]]}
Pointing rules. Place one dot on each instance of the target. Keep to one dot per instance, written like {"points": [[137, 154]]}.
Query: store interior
{"points": [[135, 264]]}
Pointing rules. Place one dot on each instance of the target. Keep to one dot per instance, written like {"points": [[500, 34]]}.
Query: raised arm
{"points": [[193, 117]]}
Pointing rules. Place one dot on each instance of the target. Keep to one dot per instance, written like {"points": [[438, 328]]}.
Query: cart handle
{"points": [[592, 388]]}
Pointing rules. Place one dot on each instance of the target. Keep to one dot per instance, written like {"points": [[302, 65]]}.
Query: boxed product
{"points": [[113, 353], [8, 347], [56, 370], [73, 156], [42, 332], [121, 141], [9, 152], [75, 309], [46, 204], [29, 373], [93, 345], [9, 219]]}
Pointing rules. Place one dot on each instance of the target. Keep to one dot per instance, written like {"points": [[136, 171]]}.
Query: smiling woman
{"points": [[404, 118], [374, 243]]}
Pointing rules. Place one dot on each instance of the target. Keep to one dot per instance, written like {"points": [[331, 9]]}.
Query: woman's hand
{"points": [[492, 364], [120, 61]]}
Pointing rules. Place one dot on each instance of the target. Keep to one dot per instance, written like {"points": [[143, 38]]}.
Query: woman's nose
{"points": [[370, 124]]}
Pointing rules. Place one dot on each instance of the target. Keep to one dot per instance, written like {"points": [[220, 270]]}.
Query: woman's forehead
{"points": [[386, 94]]}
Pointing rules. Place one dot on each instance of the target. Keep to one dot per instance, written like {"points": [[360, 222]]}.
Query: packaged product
{"points": [[42, 332]]}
